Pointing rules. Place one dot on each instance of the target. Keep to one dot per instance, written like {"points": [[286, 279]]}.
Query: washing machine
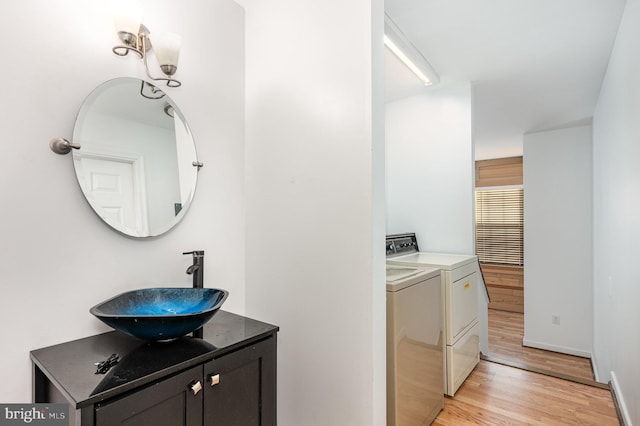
{"points": [[460, 303], [415, 355]]}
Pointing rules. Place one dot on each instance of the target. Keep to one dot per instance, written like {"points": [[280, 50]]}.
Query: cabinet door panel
{"points": [[244, 394], [169, 402]]}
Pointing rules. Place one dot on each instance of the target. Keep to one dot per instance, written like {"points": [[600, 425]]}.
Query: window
{"points": [[500, 226]]}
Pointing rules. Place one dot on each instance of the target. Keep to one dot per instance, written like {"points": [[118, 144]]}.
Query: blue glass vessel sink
{"points": [[160, 313]]}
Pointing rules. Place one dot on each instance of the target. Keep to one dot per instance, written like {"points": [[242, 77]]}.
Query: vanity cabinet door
{"points": [[176, 401], [240, 387]]}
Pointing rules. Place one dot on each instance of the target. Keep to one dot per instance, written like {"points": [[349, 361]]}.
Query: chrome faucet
{"points": [[196, 268]]}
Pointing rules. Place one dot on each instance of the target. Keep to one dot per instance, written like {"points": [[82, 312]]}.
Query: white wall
{"points": [[57, 258], [616, 220], [557, 240], [315, 245], [430, 168]]}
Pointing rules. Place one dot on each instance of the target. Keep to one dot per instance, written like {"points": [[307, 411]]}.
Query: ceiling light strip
{"points": [[399, 44], [405, 60]]}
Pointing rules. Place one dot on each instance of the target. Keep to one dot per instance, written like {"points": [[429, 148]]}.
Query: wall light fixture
{"points": [[401, 46], [137, 38]]}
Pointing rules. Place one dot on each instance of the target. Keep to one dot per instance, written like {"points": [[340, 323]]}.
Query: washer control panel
{"points": [[401, 244]]}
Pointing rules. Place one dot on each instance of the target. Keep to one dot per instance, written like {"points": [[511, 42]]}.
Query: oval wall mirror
{"points": [[137, 164]]}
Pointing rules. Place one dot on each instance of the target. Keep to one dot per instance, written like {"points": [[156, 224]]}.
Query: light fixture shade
{"points": [[167, 48], [127, 16]]}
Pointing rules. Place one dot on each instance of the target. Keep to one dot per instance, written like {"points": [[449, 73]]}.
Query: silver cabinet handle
{"points": [[214, 379], [196, 387]]}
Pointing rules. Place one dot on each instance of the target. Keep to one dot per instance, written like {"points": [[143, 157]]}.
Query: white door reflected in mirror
{"points": [[111, 188]]}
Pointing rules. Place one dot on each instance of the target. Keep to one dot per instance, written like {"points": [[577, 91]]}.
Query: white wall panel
{"points": [[430, 168], [616, 131], [558, 240], [314, 223]]}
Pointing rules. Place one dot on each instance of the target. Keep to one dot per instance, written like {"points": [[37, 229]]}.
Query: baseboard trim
{"points": [[594, 368], [618, 401], [554, 348], [527, 367]]}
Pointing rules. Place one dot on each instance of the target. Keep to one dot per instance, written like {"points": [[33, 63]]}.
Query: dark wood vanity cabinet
{"points": [[226, 378]]}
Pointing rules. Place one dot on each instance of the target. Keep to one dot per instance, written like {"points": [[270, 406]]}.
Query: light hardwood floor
{"points": [[506, 330], [495, 394]]}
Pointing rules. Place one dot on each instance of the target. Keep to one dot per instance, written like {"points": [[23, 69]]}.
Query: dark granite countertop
{"points": [[71, 366]]}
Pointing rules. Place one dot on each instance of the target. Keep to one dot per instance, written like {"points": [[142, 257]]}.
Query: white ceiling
{"points": [[534, 64]]}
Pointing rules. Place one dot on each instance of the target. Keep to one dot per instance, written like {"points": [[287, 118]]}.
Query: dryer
{"points": [[460, 303]]}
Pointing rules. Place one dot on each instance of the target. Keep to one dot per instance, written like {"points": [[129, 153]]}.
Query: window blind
{"points": [[500, 226]]}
